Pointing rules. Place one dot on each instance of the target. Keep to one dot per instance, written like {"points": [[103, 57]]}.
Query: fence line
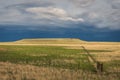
{"points": [[98, 65]]}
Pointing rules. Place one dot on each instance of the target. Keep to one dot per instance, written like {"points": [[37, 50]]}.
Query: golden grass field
{"points": [[12, 71], [75, 44]]}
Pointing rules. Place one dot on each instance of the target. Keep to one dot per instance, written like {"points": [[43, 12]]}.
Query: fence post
{"points": [[99, 67]]}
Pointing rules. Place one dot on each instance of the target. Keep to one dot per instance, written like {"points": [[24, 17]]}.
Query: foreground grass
{"points": [[10, 71], [62, 63]]}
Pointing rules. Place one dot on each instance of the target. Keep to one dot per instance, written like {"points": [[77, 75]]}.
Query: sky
{"points": [[91, 20]]}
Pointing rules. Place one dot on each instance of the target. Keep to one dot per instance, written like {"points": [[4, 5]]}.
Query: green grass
{"points": [[48, 56], [112, 64]]}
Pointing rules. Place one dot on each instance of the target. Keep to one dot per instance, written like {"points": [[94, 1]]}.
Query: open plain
{"points": [[58, 59]]}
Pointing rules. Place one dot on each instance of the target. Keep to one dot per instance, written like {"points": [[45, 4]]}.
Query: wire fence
{"points": [[104, 69], [98, 65]]}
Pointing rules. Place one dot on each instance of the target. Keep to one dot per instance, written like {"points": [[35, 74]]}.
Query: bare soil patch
{"points": [[3, 49]]}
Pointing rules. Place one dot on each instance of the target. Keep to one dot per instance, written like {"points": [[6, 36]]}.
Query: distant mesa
{"points": [[50, 40]]}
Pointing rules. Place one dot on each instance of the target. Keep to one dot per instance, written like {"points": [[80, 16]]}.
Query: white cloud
{"points": [[72, 19], [52, 13], [48, 10]]}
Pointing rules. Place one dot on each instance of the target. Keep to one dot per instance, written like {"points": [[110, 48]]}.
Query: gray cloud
{"points": [[116, 6], [101, 13], [114, 3], [82, 3], [30, 4]]}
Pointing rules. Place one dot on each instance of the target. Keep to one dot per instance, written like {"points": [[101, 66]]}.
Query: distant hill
{"points": [[50, 41]]}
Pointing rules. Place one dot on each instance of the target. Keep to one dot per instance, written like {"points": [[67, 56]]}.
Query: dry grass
{"points": [[9, 71], [114, 49]]}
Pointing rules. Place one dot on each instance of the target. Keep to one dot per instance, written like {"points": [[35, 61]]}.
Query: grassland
{"points": [[45, 56], [58, 59]]}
